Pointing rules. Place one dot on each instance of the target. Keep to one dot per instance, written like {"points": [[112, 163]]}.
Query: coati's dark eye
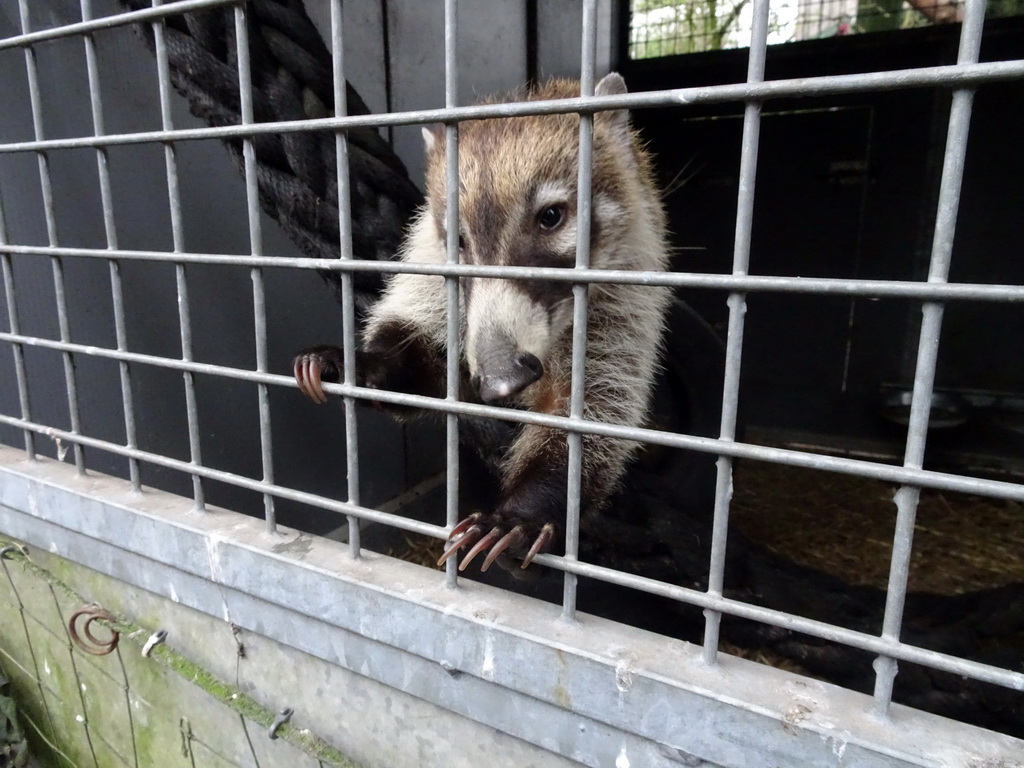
{"points": [[551, 217]]}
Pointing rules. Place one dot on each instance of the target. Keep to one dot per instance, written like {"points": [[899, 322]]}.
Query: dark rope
{"points": [[292, 80]]}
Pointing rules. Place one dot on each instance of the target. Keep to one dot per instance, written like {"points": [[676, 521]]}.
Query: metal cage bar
{"points": [[87, 26], [178, 239], [580, 291], [259, 303], [17, 349], [919, 477], [928, 350], [737, 309], [451, 283], [892, 289], [348, 322], [951, 76], [110, 232], [70, 380]]}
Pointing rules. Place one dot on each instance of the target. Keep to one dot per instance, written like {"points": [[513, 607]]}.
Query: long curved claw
{"points": [[543, 539], [493, 535], [471, 535], [308, 375], [314, 381], [464, 526], [511, 538]]}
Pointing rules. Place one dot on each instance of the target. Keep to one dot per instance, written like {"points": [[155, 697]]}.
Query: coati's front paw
{"points": [[316, 365], [496, 533]]}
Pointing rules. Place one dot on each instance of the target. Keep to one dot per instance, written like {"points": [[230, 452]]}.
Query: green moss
{"points": [[171, 660]]}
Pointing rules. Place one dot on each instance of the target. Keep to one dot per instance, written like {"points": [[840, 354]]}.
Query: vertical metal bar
{"points": [[348, 319], [46, 186], [737, 309], [16, 349], [110, 230], [259, 305], [451, 97], [385, 26], [580, 293], [178, 238], [928, 351], [532, 33]]}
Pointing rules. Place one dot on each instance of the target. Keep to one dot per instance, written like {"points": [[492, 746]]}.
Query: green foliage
{"points": [[13, 746], [672, 27], [682, 26]]}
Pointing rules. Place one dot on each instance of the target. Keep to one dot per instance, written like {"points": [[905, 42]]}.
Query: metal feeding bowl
{"points": [[947, 410]]}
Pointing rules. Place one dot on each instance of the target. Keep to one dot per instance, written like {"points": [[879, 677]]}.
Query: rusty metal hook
{"points": [[92, 644]]}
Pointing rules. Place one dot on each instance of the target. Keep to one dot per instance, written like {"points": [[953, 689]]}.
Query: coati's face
{"points": [[518, 202]]}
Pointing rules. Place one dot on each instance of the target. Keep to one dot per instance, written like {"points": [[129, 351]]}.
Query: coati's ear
{"points": [[432, 136], [612, 84]]}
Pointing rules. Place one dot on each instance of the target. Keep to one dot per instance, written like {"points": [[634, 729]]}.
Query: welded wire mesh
{"points": [[648, 39]]}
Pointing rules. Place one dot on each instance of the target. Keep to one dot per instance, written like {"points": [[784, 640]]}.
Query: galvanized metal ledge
{"points": [[594, 691]]}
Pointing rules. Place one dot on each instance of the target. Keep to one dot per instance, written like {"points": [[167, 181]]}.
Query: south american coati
{"points": [[517, 207]]}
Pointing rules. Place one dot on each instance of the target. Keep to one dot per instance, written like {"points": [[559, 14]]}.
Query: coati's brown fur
{"points": [[517, 206]]}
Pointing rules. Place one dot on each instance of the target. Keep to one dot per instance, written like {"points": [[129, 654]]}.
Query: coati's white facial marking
{"points": [[549, 193], [509, 338], [502, 320]]}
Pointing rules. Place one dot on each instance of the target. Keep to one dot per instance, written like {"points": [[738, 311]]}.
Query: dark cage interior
{"points": [[790, 394], [847, 188]]}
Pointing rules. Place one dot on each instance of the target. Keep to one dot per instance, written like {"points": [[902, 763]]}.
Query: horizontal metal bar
{"points": [[240, 481], [111, 21], [951, 76], [882, 289], [781, 619], [888, 473], [636, 682], [894, 648]]}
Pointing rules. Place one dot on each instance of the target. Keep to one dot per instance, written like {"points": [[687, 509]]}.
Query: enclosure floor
{"points": [[843, 525]]}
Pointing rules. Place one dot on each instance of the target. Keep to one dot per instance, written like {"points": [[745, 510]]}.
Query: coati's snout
{"points": [[504, 373], [508, 338]]}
